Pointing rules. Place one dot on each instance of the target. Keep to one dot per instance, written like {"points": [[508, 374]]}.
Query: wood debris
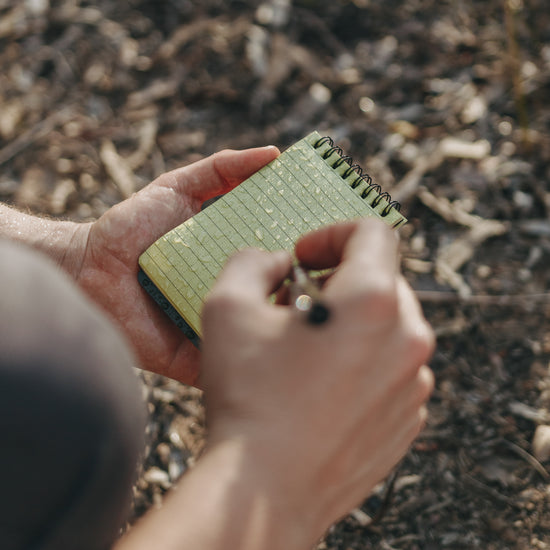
{"points": [[118, 168], [444, 105]]}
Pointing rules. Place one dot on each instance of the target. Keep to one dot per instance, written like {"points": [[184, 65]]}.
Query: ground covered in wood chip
{"points": [[444, 103]]}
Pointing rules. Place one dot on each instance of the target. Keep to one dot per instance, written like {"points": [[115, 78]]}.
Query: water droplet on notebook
{"points": [[259, 234], [269, 210], [160, 278]]}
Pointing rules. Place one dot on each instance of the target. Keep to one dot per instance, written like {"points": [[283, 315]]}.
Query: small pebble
{"points": [[541, 443], [458, 148], [156, 476]]}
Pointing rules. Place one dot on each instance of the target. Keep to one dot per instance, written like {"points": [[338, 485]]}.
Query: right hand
{"points": [[321, 413]]}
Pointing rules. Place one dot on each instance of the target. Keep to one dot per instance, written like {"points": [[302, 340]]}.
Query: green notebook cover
{"points": [[309, 185]]}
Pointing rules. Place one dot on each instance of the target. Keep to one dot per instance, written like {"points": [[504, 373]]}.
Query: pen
{"points": [[306, 297]]}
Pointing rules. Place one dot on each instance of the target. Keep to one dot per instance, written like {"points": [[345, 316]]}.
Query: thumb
{"points": [[219, 172]]}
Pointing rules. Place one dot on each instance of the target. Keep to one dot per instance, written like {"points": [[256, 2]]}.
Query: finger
{"points": [[368, 258], [410, 396], [418, 336], [177, 195], [426, 382], [370, 254], [378, 460], [324, 248], [327, 246], [220, 172], [398, 442], [252, 274]]}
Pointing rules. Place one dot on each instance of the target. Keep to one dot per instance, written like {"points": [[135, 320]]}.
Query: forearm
{"points": [[63, 241], [222, 503]]}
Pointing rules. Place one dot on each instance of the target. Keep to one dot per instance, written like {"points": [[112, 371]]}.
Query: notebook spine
{"points": [[361, 181], [151, 289]]}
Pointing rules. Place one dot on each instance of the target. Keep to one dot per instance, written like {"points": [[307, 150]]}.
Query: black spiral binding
{"points": [[362, 176]]}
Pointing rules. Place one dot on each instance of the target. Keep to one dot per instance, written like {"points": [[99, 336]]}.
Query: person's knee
{"points": [[70, 407], [49, 330]]}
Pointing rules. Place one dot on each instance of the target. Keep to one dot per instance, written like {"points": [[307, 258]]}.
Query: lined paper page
{"points": [[296, 193]]}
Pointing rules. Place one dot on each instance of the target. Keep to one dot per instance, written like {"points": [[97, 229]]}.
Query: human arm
{"points": [[303, 421], [103, 256]]}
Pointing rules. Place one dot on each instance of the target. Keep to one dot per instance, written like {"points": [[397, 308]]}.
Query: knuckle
{"points": [[380, 302], [416, 348], [426, 382], [421, 342]]}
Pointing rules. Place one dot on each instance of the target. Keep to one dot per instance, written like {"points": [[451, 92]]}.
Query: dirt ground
{"points": [[443, 103]]}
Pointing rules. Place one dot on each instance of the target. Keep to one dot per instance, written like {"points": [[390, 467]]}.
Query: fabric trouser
{"points": [[71, 413]]}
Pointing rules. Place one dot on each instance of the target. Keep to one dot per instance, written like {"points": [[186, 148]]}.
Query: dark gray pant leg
{"points": [[71, 415]]}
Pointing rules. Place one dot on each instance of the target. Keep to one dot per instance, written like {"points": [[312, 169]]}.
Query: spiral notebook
{"points": [[309, 185]]}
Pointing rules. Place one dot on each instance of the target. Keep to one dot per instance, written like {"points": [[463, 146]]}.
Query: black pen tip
{"points": [[318, 314]]}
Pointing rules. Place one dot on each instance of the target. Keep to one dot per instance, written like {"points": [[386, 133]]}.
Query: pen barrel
{"points": [[306, 297]]}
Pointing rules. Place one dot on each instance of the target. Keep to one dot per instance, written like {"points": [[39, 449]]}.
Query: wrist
{"points": [[64, 242], [69, 249], [225, 501], [265, 515]]}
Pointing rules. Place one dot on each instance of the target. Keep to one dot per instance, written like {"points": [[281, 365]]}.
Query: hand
{"points": [[108, 252], [321, 413]]}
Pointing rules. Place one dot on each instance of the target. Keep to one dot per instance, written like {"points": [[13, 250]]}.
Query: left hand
{"points": [[104, 254]]}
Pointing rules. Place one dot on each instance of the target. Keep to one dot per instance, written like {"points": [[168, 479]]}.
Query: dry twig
{"points": [[529, 458], [118, 168]]}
